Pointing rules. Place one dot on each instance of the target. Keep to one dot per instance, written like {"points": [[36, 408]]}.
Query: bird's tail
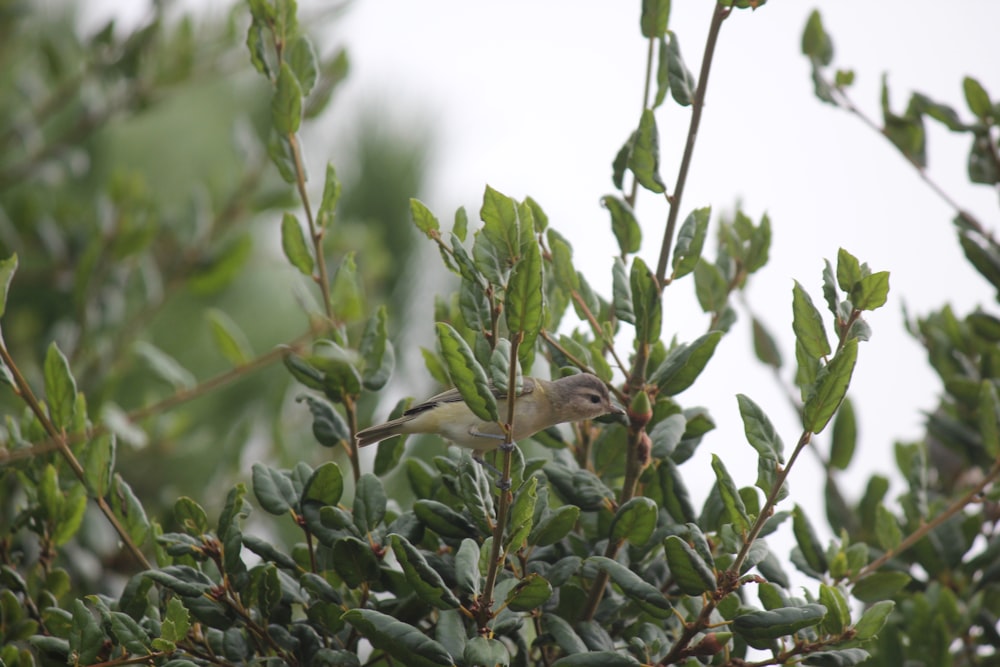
{"points": [[373, 434]]}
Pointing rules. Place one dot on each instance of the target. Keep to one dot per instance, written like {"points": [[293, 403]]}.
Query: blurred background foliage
{"points": [[137, 191]]}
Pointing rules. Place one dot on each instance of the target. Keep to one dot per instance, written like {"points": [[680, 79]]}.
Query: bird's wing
{"points": [[452, 396]]}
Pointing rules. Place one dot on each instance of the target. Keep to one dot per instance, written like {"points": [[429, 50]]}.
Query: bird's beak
{"points": [[617, 410]]}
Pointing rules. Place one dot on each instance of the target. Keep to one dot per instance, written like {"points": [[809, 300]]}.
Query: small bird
{"points": [[541, 404]]}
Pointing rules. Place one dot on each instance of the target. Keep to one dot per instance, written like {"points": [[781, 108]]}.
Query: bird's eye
{"points": [[595, 399]]}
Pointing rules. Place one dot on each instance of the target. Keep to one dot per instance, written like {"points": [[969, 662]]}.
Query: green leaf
{"points": [[989, 418], [286, 105], [806, 538], [293, 242], [838, 614], [756, 626], [328, 427], [175, 624], [181, 579], [86, 639], [662, 72], [847, 657], [690, 241], [443, 520], [325, 485], [849, 271], [977, 98], [539, 217], [682, 83], [731, 499], [190, 516], [671, 493], [498, 243], [302, 59], [905, 132], [377, 351], [7, 269], [684, 364], [390, 450], [486, 652], [654, 18], [563, 633], [354, 561], [369, 503], [331, 195], [644, 160], [466, 373], [887, 530], [620, 163], [273, 489], [816, 43], [424, 579], [530, 593], [623, 224], [646, 302], [831, 387], [760, 432], [986, 260], [634, 521], [880, 585], [401, 640], [622, 292], [74, 506], [522, 512], [499, 370], [461, 226], [425, 221], [554, 526], [710, 287], [60, 387], [229, 338], [98, 461], [524, 302], [871, 291], [808, 324], [764, 345], [845, 436], [872, 621], [691, 573], [130, 634], [562, 262], [345, 291], [634, 587], [129, 510], [467, 575]]}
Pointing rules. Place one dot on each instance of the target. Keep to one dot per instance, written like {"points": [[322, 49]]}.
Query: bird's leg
{"points": [[502, 484]]}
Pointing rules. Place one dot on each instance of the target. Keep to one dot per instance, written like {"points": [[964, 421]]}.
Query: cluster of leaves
{"points": [[939, 569], [906, 131], [590, 550]]}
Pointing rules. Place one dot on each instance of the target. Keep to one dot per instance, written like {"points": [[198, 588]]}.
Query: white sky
{"points": [[535, 98]]}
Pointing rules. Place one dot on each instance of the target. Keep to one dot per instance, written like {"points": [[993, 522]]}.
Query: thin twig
{"points": [[497, 552], [720, 15]]}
